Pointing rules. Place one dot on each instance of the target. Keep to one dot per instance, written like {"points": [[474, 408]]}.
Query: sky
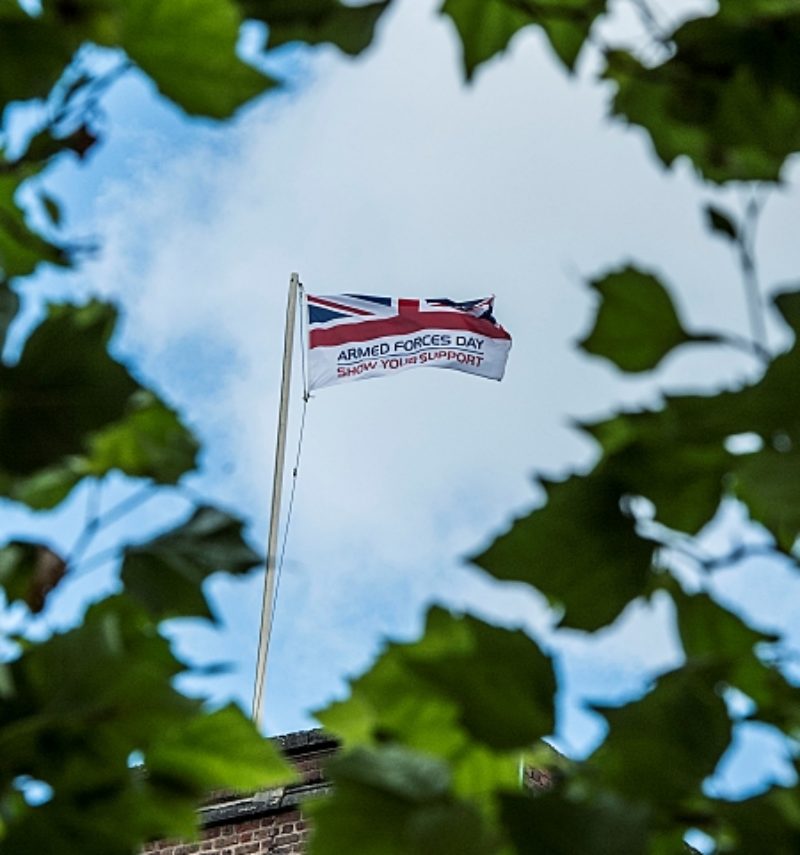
{"points": [[388, 175]]}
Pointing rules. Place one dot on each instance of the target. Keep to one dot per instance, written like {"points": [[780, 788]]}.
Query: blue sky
{"points": [[388, 175]]}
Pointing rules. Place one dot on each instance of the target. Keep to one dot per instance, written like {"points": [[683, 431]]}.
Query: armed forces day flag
{"points": [[355, 336]]}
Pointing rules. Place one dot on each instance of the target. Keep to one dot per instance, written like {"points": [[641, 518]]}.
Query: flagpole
{"points": [[267, 604]]}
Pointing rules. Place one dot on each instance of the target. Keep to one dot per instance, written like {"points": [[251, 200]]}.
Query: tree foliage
{"points": [[434, 733]]}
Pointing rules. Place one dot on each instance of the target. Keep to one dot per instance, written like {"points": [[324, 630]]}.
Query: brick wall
{"points": [[265, 822]]}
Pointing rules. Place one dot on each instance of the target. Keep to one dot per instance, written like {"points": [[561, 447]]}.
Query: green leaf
{"points": [[21, 249], [712, 634], [29, 572], [188, 47], [768, 482], [766, 823], [81, 703], [557, 825], [432, 696], [217, 751], [149, 442], [9, 306], [166, 574], [580, 550], [34, 54], [636, 324], [680, 728], [68, 410], [390, 801], [64, 387], [728, 97], [350, 28], [721, 222], [487, 26]]}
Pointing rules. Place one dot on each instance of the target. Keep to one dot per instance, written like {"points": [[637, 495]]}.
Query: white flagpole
{"points": [[267, 604]]}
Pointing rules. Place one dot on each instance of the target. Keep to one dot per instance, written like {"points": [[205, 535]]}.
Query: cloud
{"points": [[387, 175]]}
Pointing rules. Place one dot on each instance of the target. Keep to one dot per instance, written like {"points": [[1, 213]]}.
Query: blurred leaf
{"points": [[75, 727], [721, 222], [580, 550], [636, 324], [9, 306], [219, 750], [391, 801], [680, 728], [551, 823], [487, 26], [766, 823], [188, 47], [166, 574], [64, 387], [34, 54], [21, 249], [768, 482], [728, 97], [712, 634], [432, 695], [149, 442], [52, 207], [350, 28], [29, 572]]}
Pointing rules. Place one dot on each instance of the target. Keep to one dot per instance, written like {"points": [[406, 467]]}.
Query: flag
{"points": [[355, 336]]}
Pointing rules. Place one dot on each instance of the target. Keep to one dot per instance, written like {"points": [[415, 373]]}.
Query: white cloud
{"points": [[387, 175]]}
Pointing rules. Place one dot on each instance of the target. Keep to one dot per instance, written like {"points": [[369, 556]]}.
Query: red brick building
{"points": [[269, 821]]}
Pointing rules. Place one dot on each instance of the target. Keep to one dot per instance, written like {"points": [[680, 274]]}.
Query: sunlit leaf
{"points": [[432, 695]]}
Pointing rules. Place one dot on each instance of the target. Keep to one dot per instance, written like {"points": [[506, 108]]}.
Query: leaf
{"points": [[83, 701], [561, 826], [34, 54], [68, 410], [64, 387], [432, 695], [765, 823], [636, 324], [21, 249], [218, 751], [394, 802], [166, 574], [29, 572], [149, 442], [52, 207], [728, 97], [350, 28], [580, 550], [486, 27], [680, 728], [9, 306], [188, 47], [721, 222], [712, 634]]}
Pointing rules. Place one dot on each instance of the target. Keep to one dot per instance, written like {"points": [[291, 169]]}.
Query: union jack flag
{"points": [[358, 336]]}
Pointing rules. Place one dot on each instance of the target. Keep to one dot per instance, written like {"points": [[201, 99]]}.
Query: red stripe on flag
{"points": [[360, 331], [338, 307]]}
